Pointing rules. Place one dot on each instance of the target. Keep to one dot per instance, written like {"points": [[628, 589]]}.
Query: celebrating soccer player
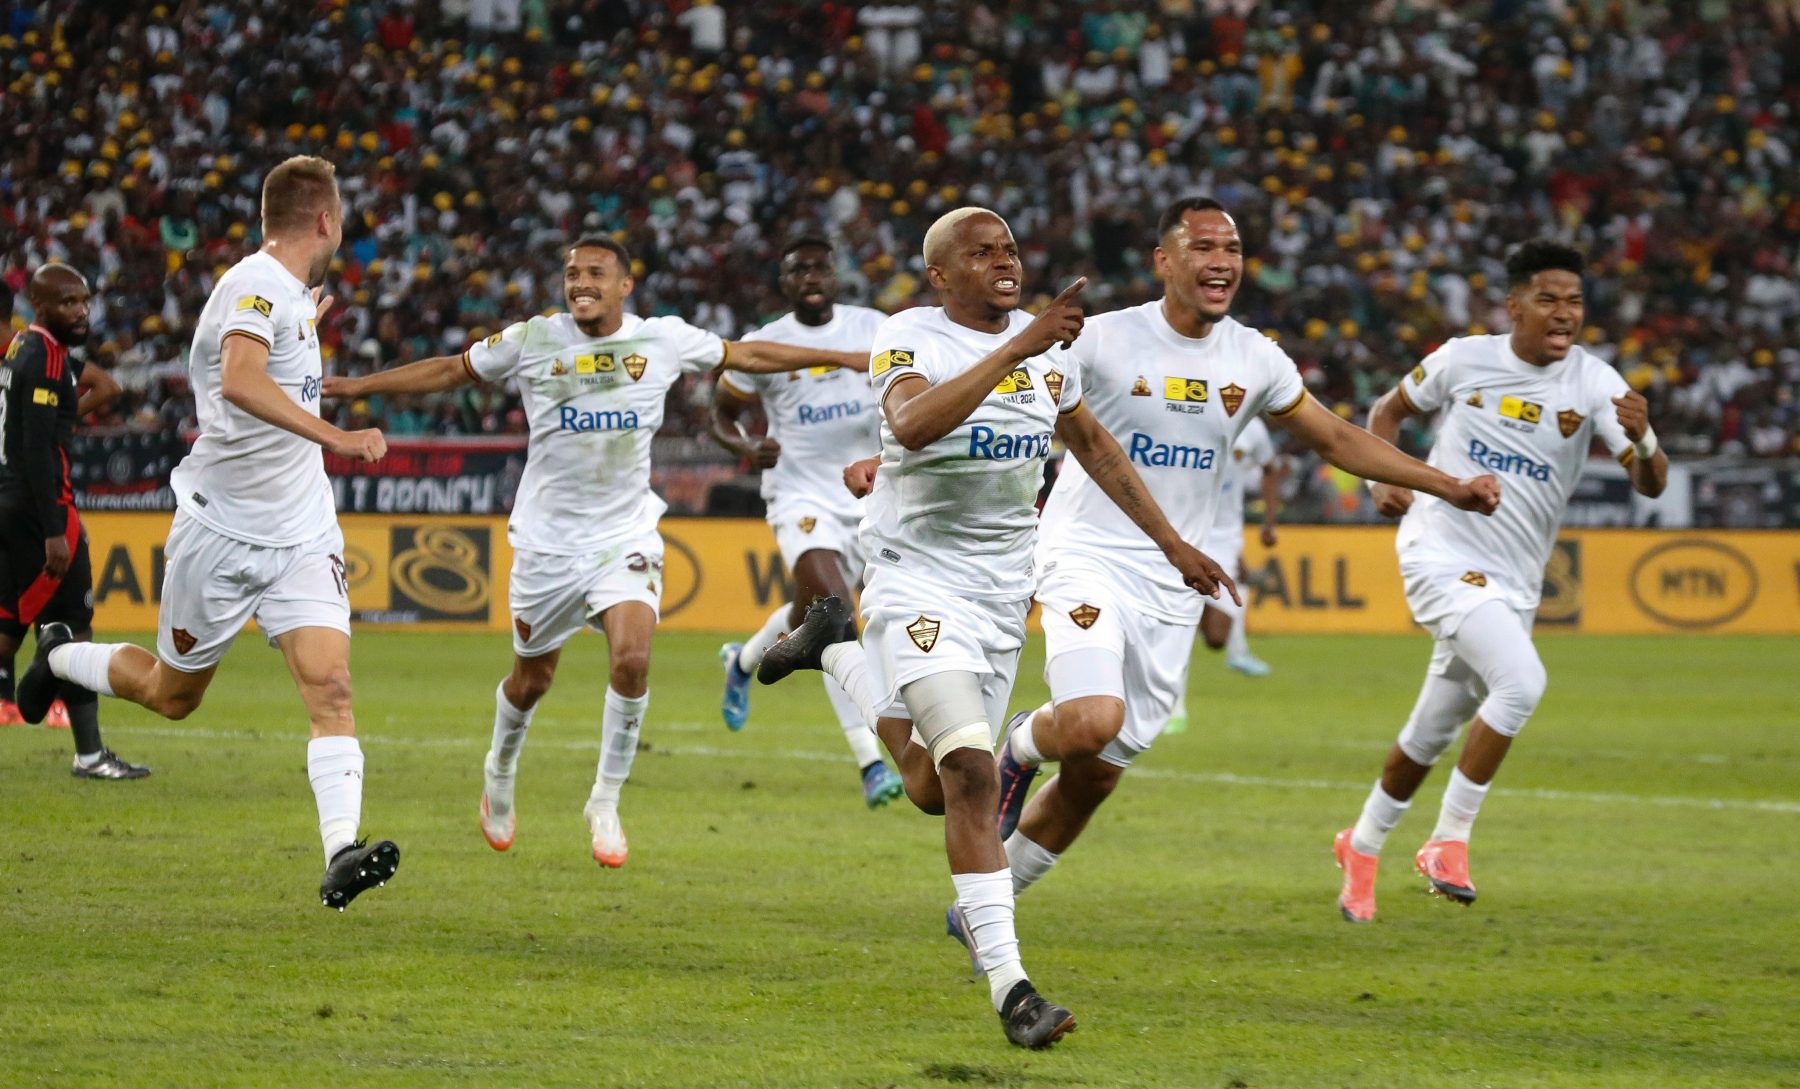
{"points": [[971, 393], [583, 529], [816, 418], [1178, 380], [1527, 405], [256, 532]]}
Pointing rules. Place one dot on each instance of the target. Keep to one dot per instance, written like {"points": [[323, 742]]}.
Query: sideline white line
{"points": [[1216, 778]]}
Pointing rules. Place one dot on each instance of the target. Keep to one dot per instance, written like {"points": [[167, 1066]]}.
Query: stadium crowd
{"points": [[1380, 158]]}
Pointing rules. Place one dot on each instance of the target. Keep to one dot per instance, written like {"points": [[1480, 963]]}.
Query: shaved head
{"points": [[52, 279], [942, 235], [59, 301]]}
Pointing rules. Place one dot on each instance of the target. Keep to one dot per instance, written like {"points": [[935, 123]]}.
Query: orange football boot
{"points": [[9, 714], [1357, 900], [1445, 863], [58, 718]]}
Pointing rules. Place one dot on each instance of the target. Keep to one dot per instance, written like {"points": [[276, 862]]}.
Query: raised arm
{"points": [[244, 382], [426, 376], [1105, 461], [1369, 454]]}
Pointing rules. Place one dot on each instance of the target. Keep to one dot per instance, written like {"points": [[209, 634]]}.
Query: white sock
{"points": [[1029, 862], [850, 718], [751, 654], [85, 664], [510, 725], [1379, 815], [1462, 800], [619, 727], [845, 664], [986, 900], [1023, 743], [1236, 645], [87, 759], [335, 766]]}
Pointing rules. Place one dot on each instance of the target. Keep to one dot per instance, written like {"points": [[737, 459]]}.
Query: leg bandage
{"points": [[948, 713]]}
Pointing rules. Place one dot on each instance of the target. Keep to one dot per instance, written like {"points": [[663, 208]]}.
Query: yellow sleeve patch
{"points": [[42, 396], [257, 303], [888, 360]]}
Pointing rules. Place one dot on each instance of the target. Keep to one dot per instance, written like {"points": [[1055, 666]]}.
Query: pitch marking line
{"points": [[1217, 778]]}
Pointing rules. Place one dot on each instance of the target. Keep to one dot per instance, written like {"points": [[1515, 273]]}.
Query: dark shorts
{"points": [[28, 596]]}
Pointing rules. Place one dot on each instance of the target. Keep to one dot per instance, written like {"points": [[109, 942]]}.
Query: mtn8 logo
{"points": [[309, 389]]}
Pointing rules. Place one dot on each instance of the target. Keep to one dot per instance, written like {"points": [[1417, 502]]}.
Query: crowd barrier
{"points": [[449, 572]]}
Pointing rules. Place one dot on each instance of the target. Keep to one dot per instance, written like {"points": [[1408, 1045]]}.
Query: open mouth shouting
{"points": [[1005, 285]]}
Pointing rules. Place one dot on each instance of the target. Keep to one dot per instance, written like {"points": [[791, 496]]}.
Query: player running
{"points": [[817, 418], [256, 532], [586, 552], [1178, 380], [971, 393], [1528, 404], [1222, 621], [45, 574]]}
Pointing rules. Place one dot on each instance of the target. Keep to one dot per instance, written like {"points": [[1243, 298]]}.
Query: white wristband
{"points": [[1645, 448]]}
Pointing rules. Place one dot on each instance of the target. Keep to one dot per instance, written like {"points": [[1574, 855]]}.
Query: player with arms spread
{"points": [[816, 417], [256, 533], [971, 394], [593, 382], [45, 575], [1177, 380], [1527, 405]]}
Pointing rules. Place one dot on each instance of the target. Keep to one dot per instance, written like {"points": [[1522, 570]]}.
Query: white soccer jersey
{"points": [[1253, 452], [824, 417], [594, 403], [244, 478], [1176, 405], [1530, 426], [961, 514]]}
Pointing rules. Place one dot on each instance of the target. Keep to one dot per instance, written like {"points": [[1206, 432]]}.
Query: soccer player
{"points": [[1527, 404], [815, 417], [45, 574], [256, 533], [971, 393], [1178, 380], [586, 552], [1222, 621]]}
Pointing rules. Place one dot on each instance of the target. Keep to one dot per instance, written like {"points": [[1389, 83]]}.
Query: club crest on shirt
{"points": [[1084, 616], [634, 365], [1237, 454], [184, 640], [1232, 397], [1141, 387], [1527, 414], [1474, 578], [1569, 421], [524, 629], [1053, 382], [924, 633], [807, 523], [1474, 400]]}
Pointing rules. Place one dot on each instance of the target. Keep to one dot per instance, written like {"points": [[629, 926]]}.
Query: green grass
{"points": [[1636, 928]]}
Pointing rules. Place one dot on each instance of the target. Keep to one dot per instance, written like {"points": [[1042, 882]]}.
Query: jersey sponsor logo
{"points": [[810, 414], [12, 349], [1475, 399], [1418, 375], [924, 633], [1164, 455], [890, 359], [1569, 421], [1474, 578], [574, 419], [634, 365], [1502, 462], [260, 305], [1141, 387], [991, 445], [1232, 397], [1084, 616], [1525, 412], [1053, 382], [183, 639], [42, 396], [808, 523], [309, 388]]}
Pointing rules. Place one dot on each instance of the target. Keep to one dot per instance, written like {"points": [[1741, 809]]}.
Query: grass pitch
{"points": [[1636, 862]]}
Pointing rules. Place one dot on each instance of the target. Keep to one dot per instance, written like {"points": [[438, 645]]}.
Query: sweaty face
{"points": [[1547, 314], [1202, 262], [63, 308], [809, 278], [594, 284], [981, 265]]}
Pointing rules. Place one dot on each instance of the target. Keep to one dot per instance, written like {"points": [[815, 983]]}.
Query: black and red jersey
{"points": [[38, 399]]}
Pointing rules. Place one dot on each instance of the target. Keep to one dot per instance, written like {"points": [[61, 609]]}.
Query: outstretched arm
{"points": [[1103, 458], [1367, 454], [767, 357], [426, 376]]}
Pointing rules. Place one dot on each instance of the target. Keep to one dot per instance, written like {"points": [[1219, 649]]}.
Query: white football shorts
{"points": [[913, 630], [803, 527], [1440, 594], [554, 596]]}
